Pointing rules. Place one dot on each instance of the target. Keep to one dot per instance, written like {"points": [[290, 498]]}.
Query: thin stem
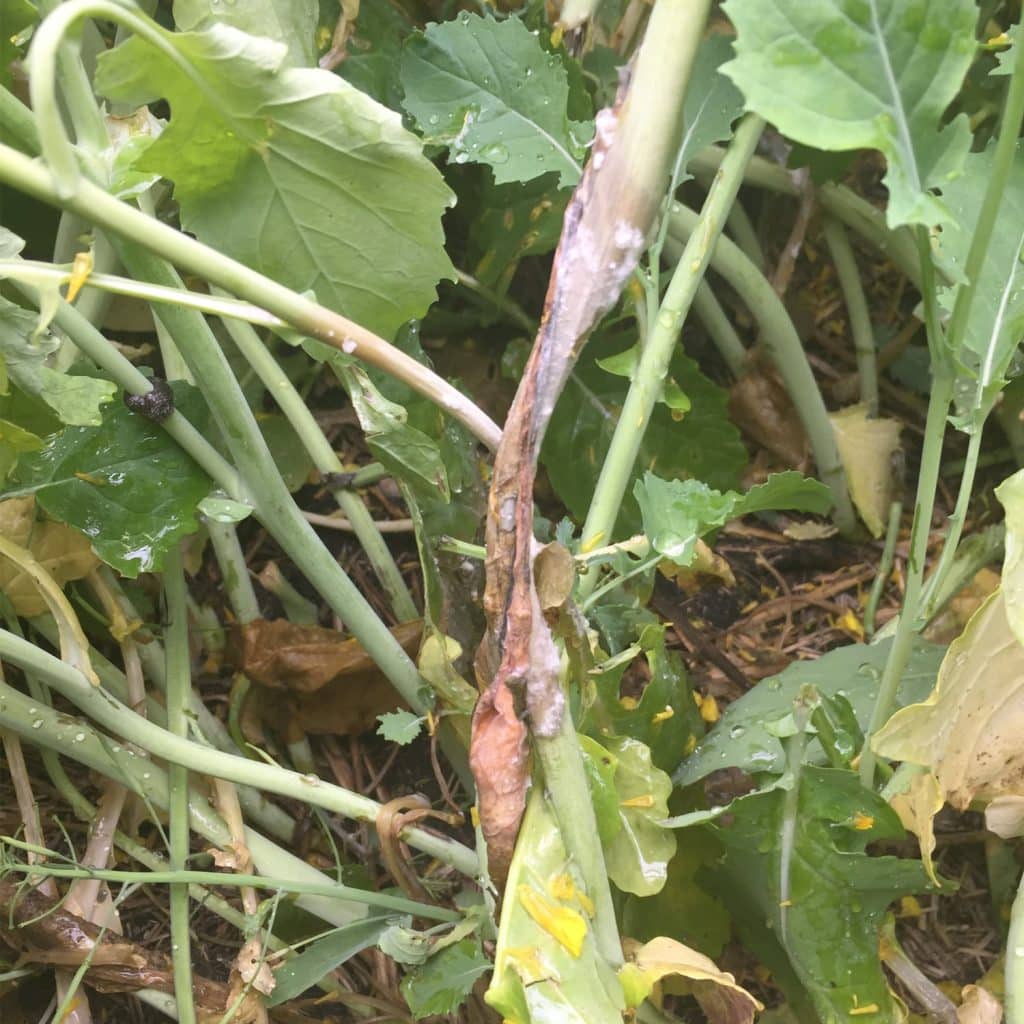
{"points": [[857, 310], [179, 690], [17, 121], [663, 335], [744, 234], [326, 461], [720, 329], [503, 303], [884, 566], [113, 715], [783, 343]]}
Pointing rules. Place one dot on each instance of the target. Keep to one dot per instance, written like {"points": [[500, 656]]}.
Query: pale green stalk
{"points": [[113, 715], [744, 234], [783, 344], [233, 571], [720, 328], [857, 310], [326, 460], [652, 371], [892, 533], [179, 690]]}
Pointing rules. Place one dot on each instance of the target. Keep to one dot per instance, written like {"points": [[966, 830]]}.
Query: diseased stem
{"points": [[649, 379], [783, 343], [179, 690], [857, 310], [113, 715]]}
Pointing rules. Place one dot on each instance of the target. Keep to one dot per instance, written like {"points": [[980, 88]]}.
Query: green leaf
{"points": [[488, 90], [817, 911], [338, 197], [864, 74], [125, 484], [18, 15], [76, 399], [638, 851], [678, 512], [319, 958], [291, 457], [400, 727], [703, 444], [747, 734], [292, 22], [374, 52], [443, 982], [996, 321], [547, 967], [712, 103]]}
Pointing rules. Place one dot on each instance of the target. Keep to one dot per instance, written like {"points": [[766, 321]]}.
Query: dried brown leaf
{"points": [[761, 407]]}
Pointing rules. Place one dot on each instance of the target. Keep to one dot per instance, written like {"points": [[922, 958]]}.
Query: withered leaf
{"points": [[761, 407]]}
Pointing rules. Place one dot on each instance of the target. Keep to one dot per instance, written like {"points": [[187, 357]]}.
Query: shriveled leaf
{"points": [[876, 75], [547, 967], [979, 1006], [683, 971], [125, 484], [1005, 816], [400, 727], [490, 92], [63, 553], [747, 734], [814, 916], [442, 984], [339, 198], [996, 321], [866, 447], [321, 957], [761, 407], [917, 806], [292, 22]]}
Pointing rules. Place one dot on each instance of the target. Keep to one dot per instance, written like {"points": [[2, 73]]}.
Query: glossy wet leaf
{"points": [[864, 74], [124, 484], [815, 920], [442, 984], [536, 976], [338, 196], [703, 444], [489, 91], [676, 513], [292, 22], [747, 734]]}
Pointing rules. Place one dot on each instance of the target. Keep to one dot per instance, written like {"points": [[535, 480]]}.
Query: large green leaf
{"points": [[873, 74], [374, 53], [805, 895], [703, 444], [747, 734], [442, 983], [338, 197], [125, 484], [489, 91], [547, 967], [996, 322], [292, 22]]}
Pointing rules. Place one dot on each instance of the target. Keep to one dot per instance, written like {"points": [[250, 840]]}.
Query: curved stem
{"points": [[720, 328]]}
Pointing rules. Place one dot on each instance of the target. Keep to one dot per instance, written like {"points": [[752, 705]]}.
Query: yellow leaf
{"points": [[567, 926], [81, 268], [917, 807], [709, 709]]}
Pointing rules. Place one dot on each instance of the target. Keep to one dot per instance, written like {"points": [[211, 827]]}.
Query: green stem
{"points": [[503, 303], [783, 343], [113, 715], [744, 235], [1015, 960], [899, 653], [566, 783], [892, 533], [857, 310], [326, 461], [720, 328], [649, 379], [233, 571], [179, 691], [17, 121]]}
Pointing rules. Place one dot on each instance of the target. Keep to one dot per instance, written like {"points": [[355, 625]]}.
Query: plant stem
{"points": [[17, 121], [649, 379], [1015, 961], [720, 329], [233, 570], [899, 654], [892, 533], [179, 690], [744, 235], [857, 310], [113, 715], [783, 343], [326, 461]]}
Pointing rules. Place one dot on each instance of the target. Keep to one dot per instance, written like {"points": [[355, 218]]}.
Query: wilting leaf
{"points": [[126, 485], [488, 90], [537, 977], [863, 76], [866, 447], [311, 160], [761, 407], [400, 727], [442, 983], [690, 973], [814, 917], [978, 1006], [917, 806], [747, 734], [63, 553]]}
